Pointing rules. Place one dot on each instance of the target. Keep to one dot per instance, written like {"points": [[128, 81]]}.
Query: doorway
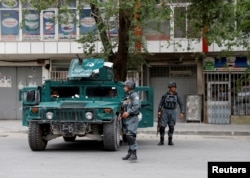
{"points": [[218, 102]]}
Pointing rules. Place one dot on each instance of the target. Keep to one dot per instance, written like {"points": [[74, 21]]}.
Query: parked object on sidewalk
{"points": [[193, 107], [82, 106], [244, 95]]}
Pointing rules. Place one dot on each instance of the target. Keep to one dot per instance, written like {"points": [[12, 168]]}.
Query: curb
{"points": [[213, 133], [151, 132]]}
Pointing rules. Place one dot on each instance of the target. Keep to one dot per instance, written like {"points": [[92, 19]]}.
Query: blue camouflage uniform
{"points": [[168, 105], [131, 104]]}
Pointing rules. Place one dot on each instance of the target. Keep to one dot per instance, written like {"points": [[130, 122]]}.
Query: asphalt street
{"points": [[188, 158]]}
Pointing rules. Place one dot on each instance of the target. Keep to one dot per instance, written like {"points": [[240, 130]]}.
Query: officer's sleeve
{"points": [[135, 104], [179, 100]]}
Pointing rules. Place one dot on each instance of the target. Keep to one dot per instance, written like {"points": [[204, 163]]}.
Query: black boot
{"points": [[133, 156], [127, 156], [170, 141], [162, 133], [161, 141]]}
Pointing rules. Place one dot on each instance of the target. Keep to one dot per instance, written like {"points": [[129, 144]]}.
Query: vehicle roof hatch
{"points": [[90, 69]]}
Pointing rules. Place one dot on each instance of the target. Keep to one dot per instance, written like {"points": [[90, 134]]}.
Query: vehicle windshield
{"points": [[64, 92], [92, 92]]}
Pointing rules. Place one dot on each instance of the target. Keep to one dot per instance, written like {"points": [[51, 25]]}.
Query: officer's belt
{"points": [[170, 108], [132, 115]]}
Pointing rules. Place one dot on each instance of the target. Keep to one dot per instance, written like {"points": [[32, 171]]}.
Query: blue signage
{"points": [[48, 25], [31, 25], [9, 22], [9, 4], [67, 25], [87, 22]]}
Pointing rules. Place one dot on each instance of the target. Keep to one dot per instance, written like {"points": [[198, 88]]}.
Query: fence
{"points": [[58, 75], [226, 94]]}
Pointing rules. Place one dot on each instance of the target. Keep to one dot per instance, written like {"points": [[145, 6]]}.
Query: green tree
{"points": [[225, 22], [129, 14]]}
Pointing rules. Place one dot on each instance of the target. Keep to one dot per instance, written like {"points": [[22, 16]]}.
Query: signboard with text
{"points": [[9, 25], [31, 26], [49, 25]]}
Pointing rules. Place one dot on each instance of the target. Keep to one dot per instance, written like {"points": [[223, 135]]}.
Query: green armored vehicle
{"points": [[87, 104]]}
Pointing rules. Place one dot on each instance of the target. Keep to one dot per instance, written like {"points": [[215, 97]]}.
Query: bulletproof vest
{"points": [[127, 102], [170, 101]]}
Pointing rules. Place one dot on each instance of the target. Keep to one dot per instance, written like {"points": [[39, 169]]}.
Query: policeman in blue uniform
{"points": [[167, 112], [131, 110]]}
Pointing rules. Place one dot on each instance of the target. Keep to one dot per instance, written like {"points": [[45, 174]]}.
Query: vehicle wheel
{"points": [[111, 136], [35, 137], [69, 139]]}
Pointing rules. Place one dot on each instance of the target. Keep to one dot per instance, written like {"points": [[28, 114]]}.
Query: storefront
{"points": [[11, 80], [227, 89]]}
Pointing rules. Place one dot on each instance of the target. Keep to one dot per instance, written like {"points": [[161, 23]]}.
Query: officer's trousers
{"points": [[168, 119], [130, 126]]}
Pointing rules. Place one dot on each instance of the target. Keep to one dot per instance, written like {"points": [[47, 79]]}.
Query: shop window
{"points": [[180, 24], [243, 20], [157, 30]]}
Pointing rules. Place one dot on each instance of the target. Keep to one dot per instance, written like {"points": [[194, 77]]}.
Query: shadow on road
{"points": [[89, 145], [78, 145]]}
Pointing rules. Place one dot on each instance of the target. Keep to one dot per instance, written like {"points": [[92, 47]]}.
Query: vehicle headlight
{"points": [[89, 115], [49, 115]]}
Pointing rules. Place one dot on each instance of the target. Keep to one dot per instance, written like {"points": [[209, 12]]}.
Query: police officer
{"points": [[131, 106], [167, 112]]}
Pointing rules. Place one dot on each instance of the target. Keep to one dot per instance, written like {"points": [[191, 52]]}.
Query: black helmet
{"points": [[130, 84], [172, 84]]}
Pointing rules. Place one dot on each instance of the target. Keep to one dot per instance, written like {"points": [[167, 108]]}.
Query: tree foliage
{"points": [[225, 22]]}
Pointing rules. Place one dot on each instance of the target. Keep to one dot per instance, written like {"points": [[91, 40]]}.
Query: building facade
{"points": [[42, 50]]}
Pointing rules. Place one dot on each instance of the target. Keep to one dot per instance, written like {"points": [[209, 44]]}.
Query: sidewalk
{"points": [[184, 128], [15, 126]]}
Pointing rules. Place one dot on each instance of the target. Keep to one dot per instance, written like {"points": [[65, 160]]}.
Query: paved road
{"points": [[188, 158]]}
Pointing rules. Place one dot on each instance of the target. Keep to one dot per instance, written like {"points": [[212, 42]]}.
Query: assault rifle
{"points": [[120, 113], [159, 116]]}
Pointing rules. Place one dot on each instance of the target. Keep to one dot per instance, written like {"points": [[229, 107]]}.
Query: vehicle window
{"points": [[92, 92], [64, 92]]}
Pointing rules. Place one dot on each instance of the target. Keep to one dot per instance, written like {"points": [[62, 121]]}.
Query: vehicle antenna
{"points": [[80, 60]]}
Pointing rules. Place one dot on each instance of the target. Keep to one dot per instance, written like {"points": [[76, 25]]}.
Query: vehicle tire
{"points": [[35, 137], [111, 135], [69, 139]]}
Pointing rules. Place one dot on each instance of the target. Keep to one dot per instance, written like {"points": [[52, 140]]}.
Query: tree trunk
{"points": [[103, 34], [120, 59]]}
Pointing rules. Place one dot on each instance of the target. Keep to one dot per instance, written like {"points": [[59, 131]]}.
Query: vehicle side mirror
{"points": [[29, 97]]}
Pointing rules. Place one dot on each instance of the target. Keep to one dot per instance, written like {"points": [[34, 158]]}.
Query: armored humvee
{"points": [[87, 104]]}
